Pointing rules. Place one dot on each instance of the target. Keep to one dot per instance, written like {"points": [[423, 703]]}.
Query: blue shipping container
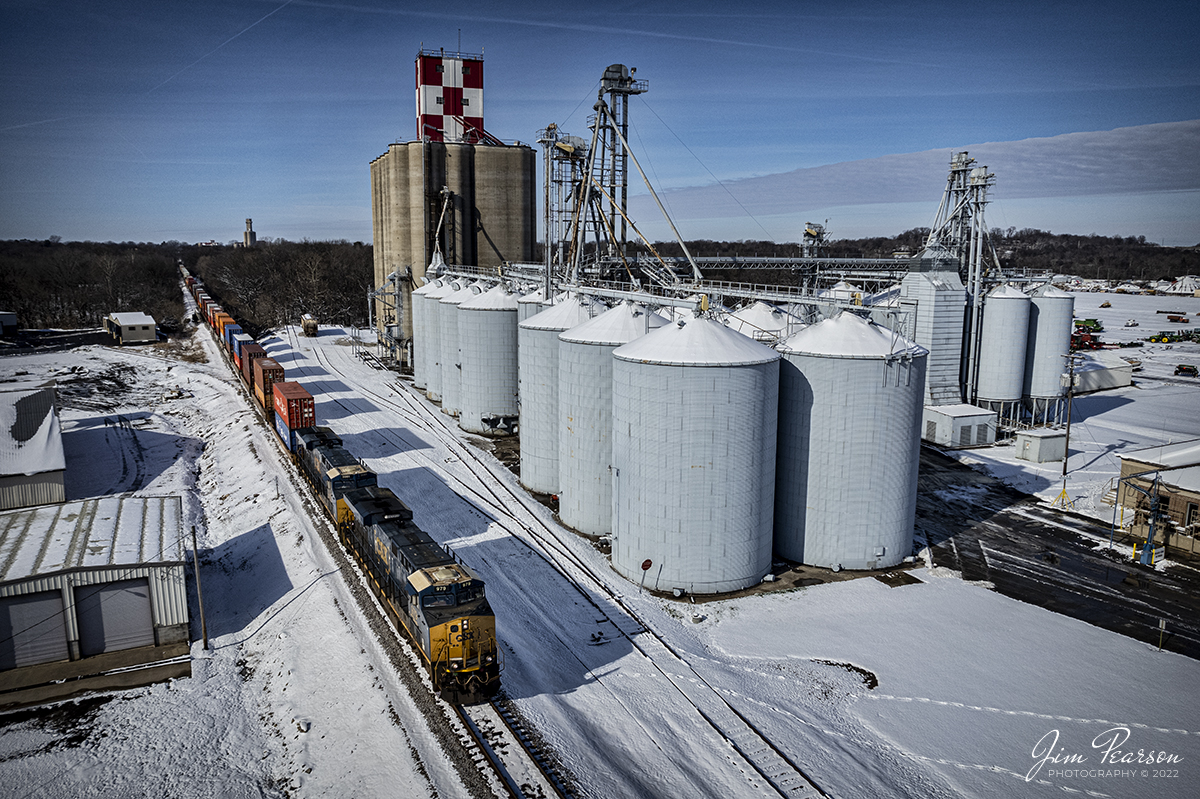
{"points": [[238, 340], [230, 332], [285, 433]]}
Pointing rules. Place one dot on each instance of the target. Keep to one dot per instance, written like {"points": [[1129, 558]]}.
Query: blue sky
{"points": [[151, 121]]}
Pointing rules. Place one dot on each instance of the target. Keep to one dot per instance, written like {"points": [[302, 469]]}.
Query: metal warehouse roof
{"points": [[109, 531], [30, 436]]}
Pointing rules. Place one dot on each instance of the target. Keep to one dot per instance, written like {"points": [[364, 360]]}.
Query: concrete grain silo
{"points": [[1000, 370], [454, 188], [537, 348], [695, 410], [432, 324], [1051, 322], [448, 346], [487, 343], [585, 367], [850, 400]]}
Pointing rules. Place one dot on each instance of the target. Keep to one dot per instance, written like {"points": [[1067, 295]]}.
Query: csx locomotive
{"points": [[422, 586]]}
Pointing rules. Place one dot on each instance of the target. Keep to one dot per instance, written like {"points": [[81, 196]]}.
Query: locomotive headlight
{"points": [[487, 658]]}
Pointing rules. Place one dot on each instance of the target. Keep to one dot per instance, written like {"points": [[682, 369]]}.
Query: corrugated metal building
{"points": [[32, 463], [92, 577]]}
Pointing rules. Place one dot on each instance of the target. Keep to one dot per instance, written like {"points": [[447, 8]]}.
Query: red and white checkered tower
{"points": [[450, 97]]}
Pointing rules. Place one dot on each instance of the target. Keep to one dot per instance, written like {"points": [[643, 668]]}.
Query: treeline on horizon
{"points": [[75, 285], [1025, 250]]}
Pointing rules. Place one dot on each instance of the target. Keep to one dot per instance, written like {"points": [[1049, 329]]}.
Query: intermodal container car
{"points": [[294, 405], [230, 332]]}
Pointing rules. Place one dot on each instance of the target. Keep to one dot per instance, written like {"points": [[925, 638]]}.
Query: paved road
{"points": [[1046, 557]]}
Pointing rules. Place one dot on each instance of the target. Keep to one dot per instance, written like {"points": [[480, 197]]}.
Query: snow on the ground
{"points": [[938, 689], [292, 698]]}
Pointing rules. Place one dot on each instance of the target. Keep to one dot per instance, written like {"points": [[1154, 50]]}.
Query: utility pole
{"points": [[199, 593], [1070, 378]]}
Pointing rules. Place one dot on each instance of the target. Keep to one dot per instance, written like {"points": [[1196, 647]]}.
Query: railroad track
{"points": [[773, 767], [511, 753]]}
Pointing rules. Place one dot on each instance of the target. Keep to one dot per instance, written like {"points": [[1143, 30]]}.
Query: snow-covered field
{"points": [[937, 689]]}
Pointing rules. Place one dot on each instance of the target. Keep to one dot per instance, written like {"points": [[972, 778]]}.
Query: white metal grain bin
{"points": [[421, 338], [585, 402], [763, 322], [537, 362], [448, 346], [695, 410], [1003, 333], [532, 303], [1051, 321], [487, 343], [850, 399], [433, 337]]}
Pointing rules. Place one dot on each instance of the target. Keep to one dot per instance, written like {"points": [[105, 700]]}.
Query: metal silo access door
{"points": [[114, 616]]}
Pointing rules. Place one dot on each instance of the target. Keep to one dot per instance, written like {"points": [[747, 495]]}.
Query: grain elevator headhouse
{"points": [[455, 192]]}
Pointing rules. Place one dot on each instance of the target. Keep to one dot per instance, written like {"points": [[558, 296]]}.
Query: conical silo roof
{"points": [[848, 335], [698, 342], [564, 315], [616, 326], [761, 320], [497, 298], [1006, 291]]}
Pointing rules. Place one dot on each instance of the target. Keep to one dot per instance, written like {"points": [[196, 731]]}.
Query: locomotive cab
{"points": [[461, 630]]}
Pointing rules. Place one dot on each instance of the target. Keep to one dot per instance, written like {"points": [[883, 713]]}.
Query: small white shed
{"points": [[956, 426], [1042, 445], [132, 328]]}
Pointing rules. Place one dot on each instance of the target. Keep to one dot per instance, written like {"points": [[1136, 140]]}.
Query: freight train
{"points": [[428, 592]]}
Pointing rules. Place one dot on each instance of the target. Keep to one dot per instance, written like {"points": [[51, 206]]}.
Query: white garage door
{"points": [[32, 630], [114, 616]]}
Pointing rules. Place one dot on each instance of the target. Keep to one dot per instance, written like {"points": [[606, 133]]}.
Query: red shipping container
{"points": [[251, 353], [294, 405]]}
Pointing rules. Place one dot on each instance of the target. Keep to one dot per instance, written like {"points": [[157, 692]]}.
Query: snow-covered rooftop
{"points": [[1182, 453], [130, 318], [30, 436], [109, 531]]}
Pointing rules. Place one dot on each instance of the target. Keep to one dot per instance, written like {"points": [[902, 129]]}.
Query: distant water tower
{"points": [[249, 239]]}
